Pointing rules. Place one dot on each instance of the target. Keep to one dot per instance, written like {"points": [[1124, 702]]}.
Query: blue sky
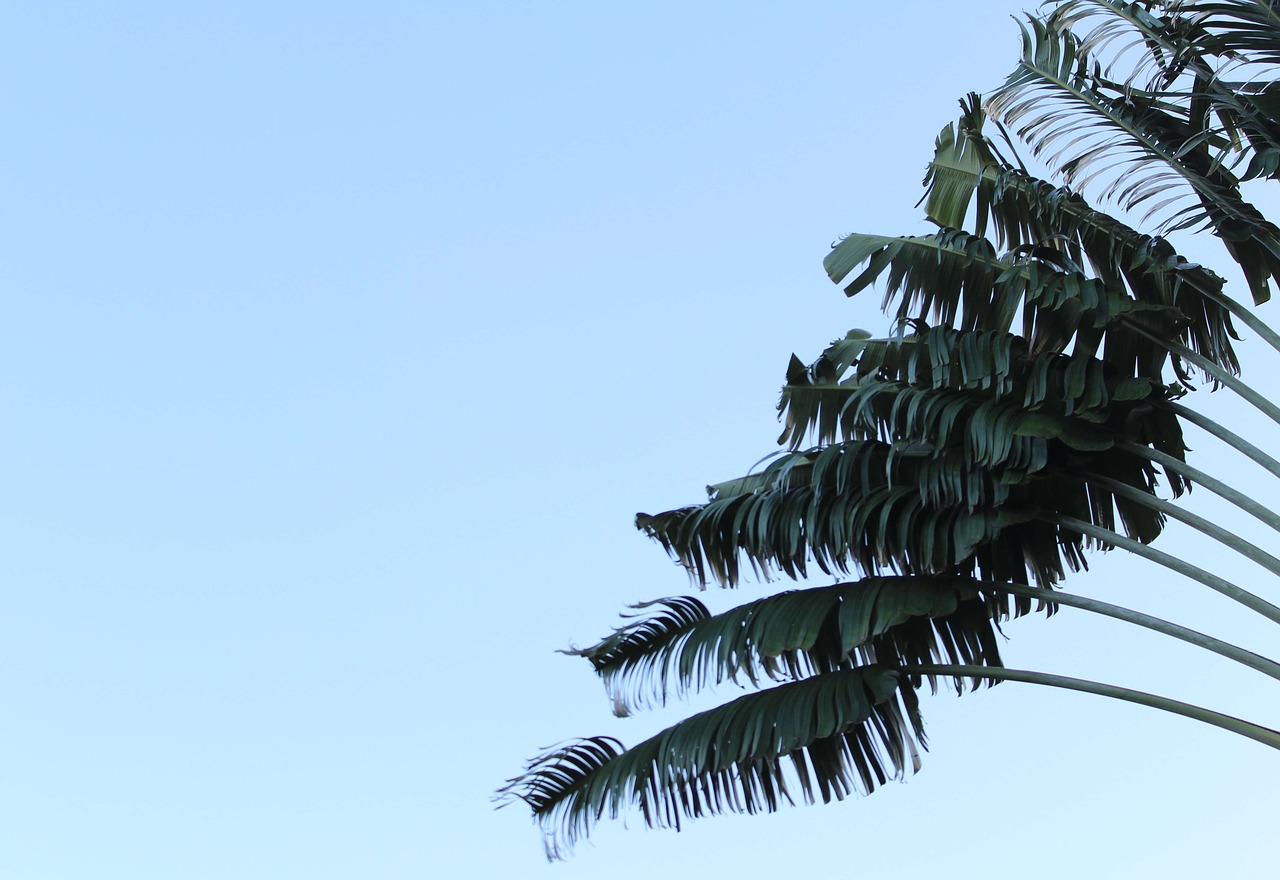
{"points": [[342, 344]]}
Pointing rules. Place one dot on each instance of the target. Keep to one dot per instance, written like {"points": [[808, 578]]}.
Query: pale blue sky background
{"points": [[342, 343]]}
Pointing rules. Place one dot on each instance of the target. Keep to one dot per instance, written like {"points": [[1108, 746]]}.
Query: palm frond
{"points": [[969, 173], [643, 648], [1229, 28], [842, 733], [1140, 146], [979, 393], [955, 279], [881, 528], [944, 278], [861, 507], [952, 177], [798, 633]]}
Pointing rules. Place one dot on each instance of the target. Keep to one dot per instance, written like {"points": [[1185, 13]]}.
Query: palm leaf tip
{"points": [[845, 732], [551, 776], [681, 647], [637, 649]]}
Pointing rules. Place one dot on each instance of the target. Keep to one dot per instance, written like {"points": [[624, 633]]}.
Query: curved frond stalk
{"points": [[1173, 466], [1210, 580], [1256, 732], [1255, 398], [841, 733], [1226, 435], [800, 633], [1249, 551], [1249, 319], [1254, 661]]}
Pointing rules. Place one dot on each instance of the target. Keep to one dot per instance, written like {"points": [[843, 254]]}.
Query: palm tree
{"points": [[1021, 413]]}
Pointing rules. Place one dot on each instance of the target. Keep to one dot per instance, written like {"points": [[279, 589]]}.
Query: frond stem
{"points": [[1264, 735], [1246, 316], [1217, 373], [1177, 631], [1252, 552], [1226, 435], [1210, 580], [1266, 407], [1222, 490]]}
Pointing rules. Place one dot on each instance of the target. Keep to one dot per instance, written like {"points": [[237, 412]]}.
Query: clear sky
{"points": [[343, 341]]}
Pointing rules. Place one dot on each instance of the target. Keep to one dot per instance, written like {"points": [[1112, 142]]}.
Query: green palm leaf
{"points": [[968, 172], [935, 275], [841, 733], [862, 506], [955, 279], [1219, 60], [980, 395], [1141, 146], [681, 647]]}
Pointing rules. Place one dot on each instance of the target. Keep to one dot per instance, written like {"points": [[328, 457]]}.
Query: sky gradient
{"points": [[343, 343]]}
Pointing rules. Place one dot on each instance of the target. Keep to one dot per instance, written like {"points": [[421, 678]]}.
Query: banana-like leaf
{"points": [[842, 733], [898, 621], [968, 172], [934, 392], [1140, 146], [859, 507], [955, 279], [1232, 28], [952, 178], [1217, 59]]}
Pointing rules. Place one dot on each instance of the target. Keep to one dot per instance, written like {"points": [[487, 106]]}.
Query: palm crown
{"points": [[1023, 410]]}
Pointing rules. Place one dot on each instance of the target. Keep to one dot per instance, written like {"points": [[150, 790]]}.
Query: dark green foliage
{"points": [[1029, 215], [798, 633], [1029, 380], [845, 732], [1145, 147]]}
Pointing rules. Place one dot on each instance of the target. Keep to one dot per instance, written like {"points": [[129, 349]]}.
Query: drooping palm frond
{"points": [[968, 174], [1212, 60], [1178, 36], [880, 528], [841, 733], [981, 395], [681, 647], [1143, 149], [955, 279], [1233, 28], [829, 399], [864, 506], [937, 275], [641, 649]]}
